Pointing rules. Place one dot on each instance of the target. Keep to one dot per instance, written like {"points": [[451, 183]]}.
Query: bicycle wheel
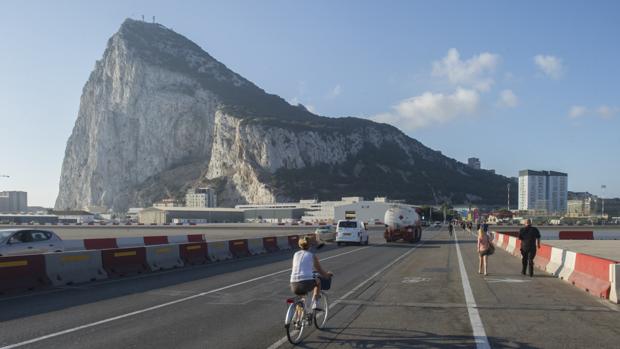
{"points": [[320, 316], [294, 322]]}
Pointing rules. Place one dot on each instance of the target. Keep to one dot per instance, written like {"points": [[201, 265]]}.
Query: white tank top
{"points": [[303, 263]]}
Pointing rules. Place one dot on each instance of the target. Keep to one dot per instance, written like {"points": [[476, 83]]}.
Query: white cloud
{"points": [[607, 112], [335, 92], [431, 108], [475, 72], [550, 65], [604, 112], [577, 111], [296, 102], [508, 99]]}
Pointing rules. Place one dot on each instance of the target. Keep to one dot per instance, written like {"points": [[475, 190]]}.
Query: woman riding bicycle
{"points": [[302, 272]]}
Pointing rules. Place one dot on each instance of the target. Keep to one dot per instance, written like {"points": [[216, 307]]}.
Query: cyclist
{"points": [[302, 272], [450, 228]]}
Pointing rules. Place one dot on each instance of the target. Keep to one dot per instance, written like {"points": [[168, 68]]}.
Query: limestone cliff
{"points": [[159, 115]]}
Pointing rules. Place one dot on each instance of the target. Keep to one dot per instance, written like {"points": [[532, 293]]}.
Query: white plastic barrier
{"points": [[568, 266], [73, 245], [130, 242], [283, 243], [512, 244], [218, 250], [256, 246], [177, 239], [614, 277], [556, 262], [74, 267], [161, 257]]}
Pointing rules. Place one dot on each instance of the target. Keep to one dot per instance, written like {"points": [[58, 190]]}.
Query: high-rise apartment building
{"points": [[201, 197], [543, 191], [13, 201]]}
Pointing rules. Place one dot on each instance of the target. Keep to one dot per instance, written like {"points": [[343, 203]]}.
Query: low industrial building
{"points": [[274, 215], [168, 215], [28, 219], [81, 217]]}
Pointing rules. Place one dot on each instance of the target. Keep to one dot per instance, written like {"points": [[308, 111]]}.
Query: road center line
{"points": [[283, 340], [163, 305], [480, 336]]}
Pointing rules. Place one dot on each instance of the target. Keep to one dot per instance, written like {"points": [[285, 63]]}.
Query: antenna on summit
{"points": [[142, 18], [153, 19]]}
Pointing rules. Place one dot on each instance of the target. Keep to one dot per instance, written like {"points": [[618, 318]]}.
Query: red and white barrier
{"points": [[595, 275], [99, 259]]}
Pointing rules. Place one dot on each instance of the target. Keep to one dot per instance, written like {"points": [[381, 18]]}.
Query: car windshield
{"points": [[347, 224], [5, 235]]}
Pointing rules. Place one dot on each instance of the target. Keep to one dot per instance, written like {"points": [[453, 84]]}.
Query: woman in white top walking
{"points": [[302, 272], [484, 250]]}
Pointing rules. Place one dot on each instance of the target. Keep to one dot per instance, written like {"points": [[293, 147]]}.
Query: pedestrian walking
{"points": [[485, 249], [530, 242], [450, 228]]}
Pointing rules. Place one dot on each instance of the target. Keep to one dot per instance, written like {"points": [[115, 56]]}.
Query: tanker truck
{"points": [[402, 222]]}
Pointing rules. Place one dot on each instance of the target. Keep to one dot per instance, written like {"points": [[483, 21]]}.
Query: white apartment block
{"points": [[543, 191], [201, 197]]}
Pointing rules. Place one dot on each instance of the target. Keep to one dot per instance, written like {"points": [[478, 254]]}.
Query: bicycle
{"points": [[298, 316]]}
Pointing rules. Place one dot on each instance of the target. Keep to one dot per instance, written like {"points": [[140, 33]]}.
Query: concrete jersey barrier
{"points": [[194, 253], [75, 267], [256, 246], [22, 273], [218, 251], [160, 257]]}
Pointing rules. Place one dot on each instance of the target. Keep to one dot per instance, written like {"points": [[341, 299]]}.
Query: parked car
{"points": [[29, 241], [351, 231], [325, 233]]}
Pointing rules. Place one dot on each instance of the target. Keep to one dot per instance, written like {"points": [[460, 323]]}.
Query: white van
{"points": [[351, 231]]}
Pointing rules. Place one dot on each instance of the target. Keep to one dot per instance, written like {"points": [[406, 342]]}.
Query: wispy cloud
{"points": [[550, 65], [577, 111], [335, 92], [431, 108], [475, 72], [607, 112], [508, 99], [604, 112]]}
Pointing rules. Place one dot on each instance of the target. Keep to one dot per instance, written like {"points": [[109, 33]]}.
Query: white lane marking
{"points": [[283, 340], [137, 312], [506, 280], [414, 280], [480, 336]]}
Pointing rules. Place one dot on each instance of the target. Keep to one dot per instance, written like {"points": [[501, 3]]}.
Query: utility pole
{"points": [[603, 200]]}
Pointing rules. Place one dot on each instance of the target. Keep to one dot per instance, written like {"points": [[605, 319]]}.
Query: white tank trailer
{"points": [[402, 223]]}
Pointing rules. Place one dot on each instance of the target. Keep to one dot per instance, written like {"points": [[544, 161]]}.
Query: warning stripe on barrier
{"points": [[13, 264]]}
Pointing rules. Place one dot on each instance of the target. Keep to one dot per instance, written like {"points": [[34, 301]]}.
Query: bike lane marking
{"points": [[159, 306], [480, 336]]}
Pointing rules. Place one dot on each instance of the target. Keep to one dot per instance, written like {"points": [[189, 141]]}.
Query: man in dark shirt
{"points": [[530, 242]]}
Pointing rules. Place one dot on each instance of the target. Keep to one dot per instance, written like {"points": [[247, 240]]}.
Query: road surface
{"points": [[384, 296]]}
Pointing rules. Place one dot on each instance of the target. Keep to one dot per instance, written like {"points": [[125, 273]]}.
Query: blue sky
{"points": [[528, 84]]}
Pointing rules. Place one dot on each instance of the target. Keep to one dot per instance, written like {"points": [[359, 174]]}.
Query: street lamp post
{"points": [[603, 200], [508, 203]]}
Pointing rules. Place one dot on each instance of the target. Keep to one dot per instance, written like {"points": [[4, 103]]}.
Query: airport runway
{"points": [[384, 296]]}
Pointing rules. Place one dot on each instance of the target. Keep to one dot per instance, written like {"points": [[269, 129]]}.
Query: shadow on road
{"points": [[357, 337]]}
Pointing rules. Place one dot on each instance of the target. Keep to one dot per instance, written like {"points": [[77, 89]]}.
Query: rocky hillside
{"points": [[159, 115]]}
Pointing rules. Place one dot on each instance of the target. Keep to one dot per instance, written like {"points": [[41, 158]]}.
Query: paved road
{"points": [[385, 296]]}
